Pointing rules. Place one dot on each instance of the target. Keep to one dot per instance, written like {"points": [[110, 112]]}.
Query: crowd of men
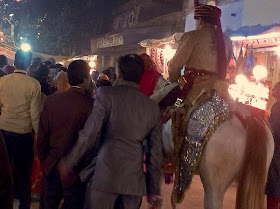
{"points": [[68, 129], [91, 142]]}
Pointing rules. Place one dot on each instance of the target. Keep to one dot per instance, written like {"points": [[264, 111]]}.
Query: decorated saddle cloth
{"points": [[193, 123]]}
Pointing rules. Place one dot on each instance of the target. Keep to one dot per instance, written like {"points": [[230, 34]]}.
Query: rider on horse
{"points": [[206, 48], [205, 52]]}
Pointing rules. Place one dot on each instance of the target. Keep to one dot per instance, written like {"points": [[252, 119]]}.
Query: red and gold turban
{"points": [[207, 11]]}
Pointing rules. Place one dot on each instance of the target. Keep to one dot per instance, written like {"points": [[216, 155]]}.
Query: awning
{"points": [[260, 37], [157, 43], [132, 37], [47, 57], [135, 35]]}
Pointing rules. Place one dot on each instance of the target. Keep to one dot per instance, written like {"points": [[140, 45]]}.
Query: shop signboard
{"points": [[110, 41], [7, 53]]}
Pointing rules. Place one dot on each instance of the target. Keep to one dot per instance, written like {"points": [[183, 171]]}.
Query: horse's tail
{"points": [[250, 193]]}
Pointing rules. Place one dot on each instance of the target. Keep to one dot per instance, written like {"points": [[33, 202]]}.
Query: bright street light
{"points": [[92, 64], [25, 47], [260, 72], [11, 15]]}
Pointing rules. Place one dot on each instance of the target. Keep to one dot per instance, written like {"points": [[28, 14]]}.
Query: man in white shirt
{"points": [[20, 105]]}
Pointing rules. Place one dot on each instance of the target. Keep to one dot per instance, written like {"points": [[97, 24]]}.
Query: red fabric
{"points": [[36, 177], [273, 202], [149, 63], [202, 10], [149, 81]]}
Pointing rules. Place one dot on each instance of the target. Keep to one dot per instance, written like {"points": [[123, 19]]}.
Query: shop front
{"points": [[90, 59], [162, 51], [256, 57], [110, 47]]}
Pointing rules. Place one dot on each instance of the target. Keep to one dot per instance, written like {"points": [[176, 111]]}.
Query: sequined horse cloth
{"points": [[193, 123]]}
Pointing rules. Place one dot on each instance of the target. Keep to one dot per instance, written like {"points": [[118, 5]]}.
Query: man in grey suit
{"points": [[122, 119]]}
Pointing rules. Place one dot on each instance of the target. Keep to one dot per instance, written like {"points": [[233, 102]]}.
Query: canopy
{"points": [[47, 57], [268, 37], [158, 43]]}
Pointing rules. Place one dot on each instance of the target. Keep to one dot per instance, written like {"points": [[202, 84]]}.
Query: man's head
{"points": [[52, 73], [131, 68], [276, 91], [23, 59], [9, 69], [206, 14], [111, 73], [78, 73], [3, 61], [32, 70], [41, 74], [37, 61]]}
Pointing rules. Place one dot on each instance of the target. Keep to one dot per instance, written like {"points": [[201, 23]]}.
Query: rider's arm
{"points": [[181, 58]]}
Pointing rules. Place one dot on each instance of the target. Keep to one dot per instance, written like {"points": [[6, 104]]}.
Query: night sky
{"points": [[59, 26]]}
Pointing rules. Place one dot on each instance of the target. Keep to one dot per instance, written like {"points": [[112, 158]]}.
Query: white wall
{"points": [[247, 13], [263, 12]]}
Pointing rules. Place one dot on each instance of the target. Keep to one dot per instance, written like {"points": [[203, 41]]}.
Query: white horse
{"points": [[233, 153]]}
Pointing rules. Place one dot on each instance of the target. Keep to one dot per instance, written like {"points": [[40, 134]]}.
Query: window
{"points": [[131, 19]]}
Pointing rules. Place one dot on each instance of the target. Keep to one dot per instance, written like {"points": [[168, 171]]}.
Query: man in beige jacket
{"points": [[20, 106]]}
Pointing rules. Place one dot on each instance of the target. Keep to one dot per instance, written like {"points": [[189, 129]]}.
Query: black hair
{"points": [[3, 60], [58, 67], [37, 61], [78, 71], [209, 20], [48, 63], [42, 72], [131, 67], [52, 66], [41, 75], [63, 69], [111, 73], [102, 82], [23, 59]]}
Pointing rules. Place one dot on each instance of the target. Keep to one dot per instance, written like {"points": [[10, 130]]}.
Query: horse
{"points": [[234, 152]]}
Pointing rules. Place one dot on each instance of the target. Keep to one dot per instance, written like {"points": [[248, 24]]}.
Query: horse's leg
{"points": [[221, 161]]}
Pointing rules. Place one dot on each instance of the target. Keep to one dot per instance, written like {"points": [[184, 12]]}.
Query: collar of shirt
{"points": [[78, 87], [127, 83], [21, 71]]}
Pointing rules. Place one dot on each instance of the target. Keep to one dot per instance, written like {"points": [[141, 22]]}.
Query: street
{"points": [[194, 197], [193, 200]]}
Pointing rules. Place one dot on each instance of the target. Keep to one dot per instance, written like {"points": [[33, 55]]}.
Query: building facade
{"points": [[133, 22]]}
